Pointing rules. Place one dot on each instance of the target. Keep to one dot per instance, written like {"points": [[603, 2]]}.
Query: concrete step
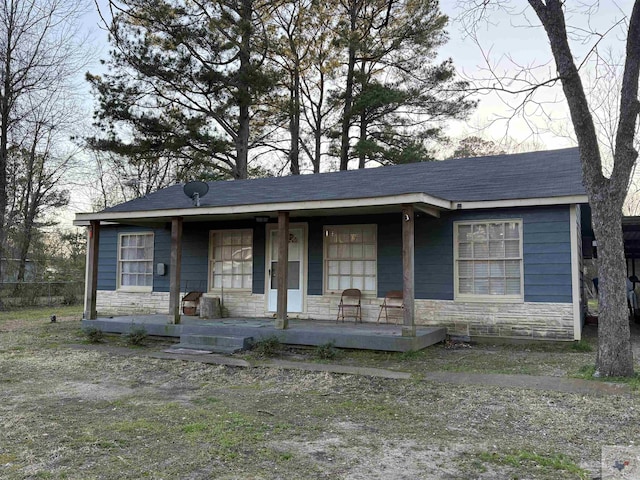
{"points": [[215, 343]]}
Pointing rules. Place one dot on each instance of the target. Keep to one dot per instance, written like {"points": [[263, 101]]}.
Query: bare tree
{"points": [[39, 166], [40, 46], [120, 179], [302, 49], [606, 191]]}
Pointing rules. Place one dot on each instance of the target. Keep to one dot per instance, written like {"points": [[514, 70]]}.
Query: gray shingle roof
{"points": [[551, 173]]}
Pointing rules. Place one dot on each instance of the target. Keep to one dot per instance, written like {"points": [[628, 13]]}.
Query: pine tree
{"points": [[183, 78], [395, 95]]}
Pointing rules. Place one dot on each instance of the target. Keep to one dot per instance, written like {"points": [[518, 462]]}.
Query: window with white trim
{"points": [[488, 257], [135, 261], [231, 259], [350, 258]]}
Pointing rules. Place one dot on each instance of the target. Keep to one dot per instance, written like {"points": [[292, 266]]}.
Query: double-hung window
{"points": [[488, 260], [231, 259], [350, 258], [135, 261]]}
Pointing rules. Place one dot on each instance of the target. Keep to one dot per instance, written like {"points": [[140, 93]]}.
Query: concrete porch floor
{"points": [[363, 336]]}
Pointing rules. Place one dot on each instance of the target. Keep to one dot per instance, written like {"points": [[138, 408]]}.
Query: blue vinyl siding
{"points": [[315, 258], [546, 249], [108, 259], [259, 257], [108, 254], [195, 259], [434, 257], [546, 252], [195, 255], [389, 274]]}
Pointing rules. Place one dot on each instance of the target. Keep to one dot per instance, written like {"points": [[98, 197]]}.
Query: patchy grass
{"points": [[546, 464], [586, 373], [88, 414], [39, 314], [559, 359], [582, 346]]}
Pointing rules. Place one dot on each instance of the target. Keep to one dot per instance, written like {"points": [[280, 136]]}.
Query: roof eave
{"points": [[423, 202], [519, 202], [426, 203]]}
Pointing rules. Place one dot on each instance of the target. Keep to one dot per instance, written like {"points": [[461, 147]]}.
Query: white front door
{"points": [[295, 277]]}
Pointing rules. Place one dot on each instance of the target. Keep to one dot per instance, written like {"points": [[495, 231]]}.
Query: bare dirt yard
{"points": [[75, 413]]}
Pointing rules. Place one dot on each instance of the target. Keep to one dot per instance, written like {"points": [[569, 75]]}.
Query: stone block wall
{"points": [[325, 307], [111, 302], [244, 304], [528, 320]]}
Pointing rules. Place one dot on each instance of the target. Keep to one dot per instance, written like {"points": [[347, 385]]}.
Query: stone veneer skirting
{"points": [[528, 320], [478, 319], [109, 302], [532, 320]]}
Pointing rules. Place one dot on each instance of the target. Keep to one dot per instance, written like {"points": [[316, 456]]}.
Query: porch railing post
{"points": [[282, 322], [174, 270], [408, 254]]}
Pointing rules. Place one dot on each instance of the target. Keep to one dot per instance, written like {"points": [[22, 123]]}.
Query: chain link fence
{"points": [[28, 294]]}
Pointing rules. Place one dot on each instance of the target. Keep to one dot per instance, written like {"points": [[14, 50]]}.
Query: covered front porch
{"points": [[271, 234], [365, 336]]}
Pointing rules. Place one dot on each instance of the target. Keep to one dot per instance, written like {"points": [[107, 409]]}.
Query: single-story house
{"points": [[486, 247]]}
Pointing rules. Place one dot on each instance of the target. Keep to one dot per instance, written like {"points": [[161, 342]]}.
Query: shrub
{"points": [[136, 336], [71, 293], [267, 347], [93, 334], [326, 351]]}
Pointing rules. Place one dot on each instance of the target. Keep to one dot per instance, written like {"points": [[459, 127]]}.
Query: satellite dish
{"points": [[195, 190]]}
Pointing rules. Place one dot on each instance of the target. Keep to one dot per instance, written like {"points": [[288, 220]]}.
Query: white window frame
{"points": [[465, 297], [134, 288], [211, 260], [326, 259]]}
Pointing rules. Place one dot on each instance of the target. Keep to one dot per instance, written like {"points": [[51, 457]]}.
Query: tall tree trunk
{"points": [[294, 123], [244, 92], [317, 130], [28, 215], [317, 154], [364, 124], [5, 109], [24, 251], [606, 195], [614, 356], [362, 156], [348, 92]]}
